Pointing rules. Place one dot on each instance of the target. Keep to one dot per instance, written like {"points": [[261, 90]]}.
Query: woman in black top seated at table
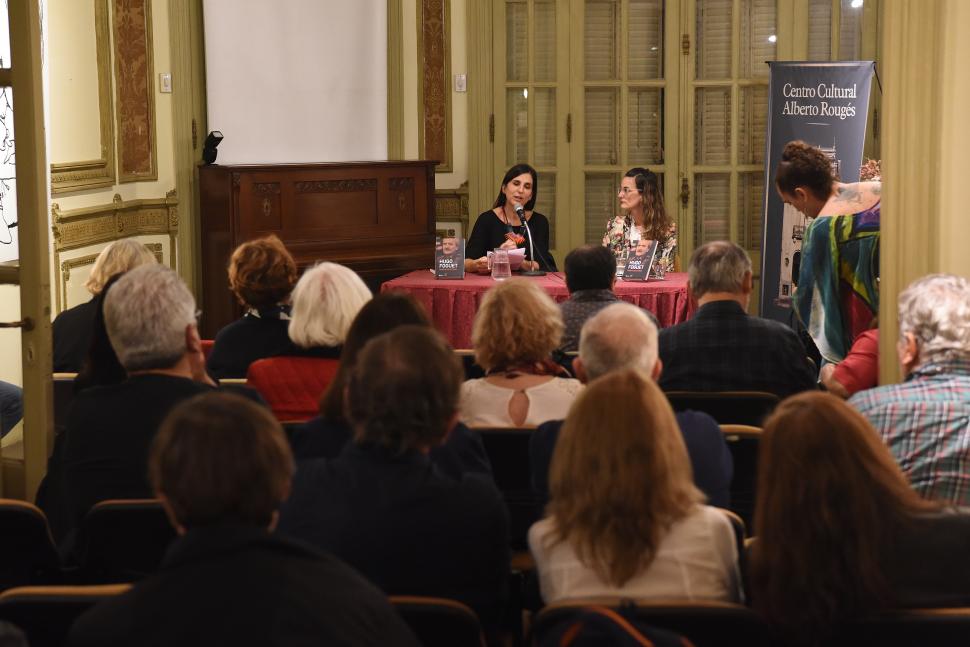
{"points": [[326, 435], [501, 227]]}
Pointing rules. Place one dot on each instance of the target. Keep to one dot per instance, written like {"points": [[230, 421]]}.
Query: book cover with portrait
{"points": [[640, 260], [449, 257]]}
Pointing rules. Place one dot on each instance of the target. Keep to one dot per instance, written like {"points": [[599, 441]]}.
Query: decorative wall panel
{"points": [[434, 60], [135, 90]]}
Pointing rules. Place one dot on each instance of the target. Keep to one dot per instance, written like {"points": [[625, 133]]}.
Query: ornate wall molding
{"points": [[136, 90], [434, 96], [120, 219], [452, 205], [67, 177]]}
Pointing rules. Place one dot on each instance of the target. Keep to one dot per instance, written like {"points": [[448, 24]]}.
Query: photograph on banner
{"points": [[825, 105]]}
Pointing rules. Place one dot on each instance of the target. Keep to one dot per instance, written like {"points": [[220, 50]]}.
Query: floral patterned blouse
{"points": [[617, 238]]}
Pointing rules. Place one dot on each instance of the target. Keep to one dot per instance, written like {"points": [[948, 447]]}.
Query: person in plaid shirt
{"points": [[722, 347], [926, 419]]}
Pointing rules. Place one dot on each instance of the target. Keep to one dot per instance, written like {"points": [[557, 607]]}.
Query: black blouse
{"points": [[489, 232]]}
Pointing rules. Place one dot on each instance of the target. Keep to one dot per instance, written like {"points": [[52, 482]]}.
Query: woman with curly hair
{"points": [[262, 274], [840, 532], [625, 518], [643, 217], [515, 331], [837, 293]]}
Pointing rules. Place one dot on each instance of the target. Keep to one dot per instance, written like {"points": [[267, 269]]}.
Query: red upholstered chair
{"points": [[207, 345], [292, 386]]}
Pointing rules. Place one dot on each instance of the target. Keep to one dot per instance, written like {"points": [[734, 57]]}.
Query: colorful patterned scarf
{"points": [[837, 295]]}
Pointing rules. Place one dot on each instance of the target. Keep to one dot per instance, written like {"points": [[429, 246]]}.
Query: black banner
{"points": [[823, 104]]}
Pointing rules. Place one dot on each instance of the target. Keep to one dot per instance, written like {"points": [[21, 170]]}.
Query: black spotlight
{"points": [[209, 148]]}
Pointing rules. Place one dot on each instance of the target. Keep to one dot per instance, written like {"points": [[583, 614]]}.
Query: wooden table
{"points": [[452, 304]]}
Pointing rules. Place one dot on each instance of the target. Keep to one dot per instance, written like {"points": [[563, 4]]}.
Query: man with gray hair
{"points": [[622, 336], [103, 453], [721, 347], [924, 420]]}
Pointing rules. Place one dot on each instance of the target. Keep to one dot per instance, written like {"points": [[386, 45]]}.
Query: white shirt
{"points": [[484, 404], [696, 560]]}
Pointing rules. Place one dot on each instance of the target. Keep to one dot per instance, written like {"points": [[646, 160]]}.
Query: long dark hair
{"points": [[830, 499], [656, 222], [383, 313], [101, 366], [515, 172]]}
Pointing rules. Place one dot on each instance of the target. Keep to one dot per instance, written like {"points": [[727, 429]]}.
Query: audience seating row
{"points": [[118, 541], [45, 614]]}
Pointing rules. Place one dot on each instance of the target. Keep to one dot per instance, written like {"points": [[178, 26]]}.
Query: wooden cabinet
{"points": [[376, 218]]}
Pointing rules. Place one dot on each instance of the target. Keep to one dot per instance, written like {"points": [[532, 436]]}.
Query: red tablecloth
{"points": [[453, 304]]}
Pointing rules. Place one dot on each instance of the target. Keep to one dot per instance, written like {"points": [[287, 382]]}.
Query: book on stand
{"points": [[449, 257], [639, 263]]}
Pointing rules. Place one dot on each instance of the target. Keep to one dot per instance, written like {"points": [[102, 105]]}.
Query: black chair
{"points": [[727, 407], [45, 613], [438, 622], [472, 370], [27, 551], [122, 540], [63, 384], [743, 442], [705, 624], [908, 628], [508, 452]]}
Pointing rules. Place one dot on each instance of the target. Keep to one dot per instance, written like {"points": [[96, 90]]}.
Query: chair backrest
{"points": [[743, 442], [472, 370], [45, 613], [508, 452], [207, 345], [438, 622], [292, 386], [704, 623], [122, 540], [909, 628], [27, 551], [63, 395], [727, 407]]}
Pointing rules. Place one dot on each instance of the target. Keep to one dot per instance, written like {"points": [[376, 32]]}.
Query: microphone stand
{"points": [[532, 247]]}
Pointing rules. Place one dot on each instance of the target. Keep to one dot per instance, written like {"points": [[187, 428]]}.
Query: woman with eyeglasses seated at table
{"points": [[644, 216], [501, 227]]}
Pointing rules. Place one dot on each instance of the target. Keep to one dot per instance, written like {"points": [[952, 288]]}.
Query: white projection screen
{"points": [[297, 80]]}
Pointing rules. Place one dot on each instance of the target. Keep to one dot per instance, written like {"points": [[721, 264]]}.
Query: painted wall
{"points": [[69, 129], [459, 100]]}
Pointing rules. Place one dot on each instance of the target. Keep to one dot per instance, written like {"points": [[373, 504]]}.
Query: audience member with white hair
{"points": [[150, 317], [72, 328], [721, 347], [622, 336], [326, 300], [924, 419]]}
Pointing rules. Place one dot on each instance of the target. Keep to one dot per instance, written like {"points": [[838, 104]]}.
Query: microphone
{"points": [[520, 212]]}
